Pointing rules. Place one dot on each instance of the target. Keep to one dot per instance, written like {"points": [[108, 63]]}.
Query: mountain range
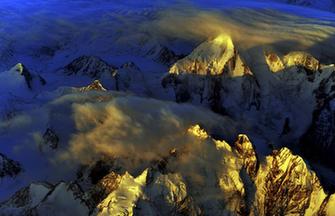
{"points": [[168, 109]]}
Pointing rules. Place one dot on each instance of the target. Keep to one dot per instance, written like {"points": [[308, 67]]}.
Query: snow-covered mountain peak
{"points": [[215, 57], [302, 59], [20, 68], [94, 86], [123, 200], [91, 66], [206, 173], [296, 58], [21, 72]]}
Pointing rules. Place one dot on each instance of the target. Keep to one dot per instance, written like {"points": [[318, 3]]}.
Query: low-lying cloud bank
{"points": [[93, 126], [135, 128]]}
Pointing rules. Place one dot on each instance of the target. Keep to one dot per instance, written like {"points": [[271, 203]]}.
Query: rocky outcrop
{"points": [[94, 86], [167, 56], [302, 59], [281, 185], [298, 59], [168, 194], [274, 62], [91, 66], [247, 153], [104, 187], [8, 167], [163, 55], [128, 77], [50, 139], [209, 177], [285, 186]]}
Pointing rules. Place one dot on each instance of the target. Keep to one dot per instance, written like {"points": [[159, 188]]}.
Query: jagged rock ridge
{"points": [[94, 86], [240, 184], [91, 66], [301, 59], [163, 55], [127, 77]]}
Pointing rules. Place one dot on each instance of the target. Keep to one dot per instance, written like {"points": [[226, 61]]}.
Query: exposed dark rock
{"points": [[104, 186], [246, 151], [8, 167], [215, 95], [251, 92], [50, 138], [100, 170], [167, 56], [318, 143], [90, 66], [164, 55], [94, 86]]}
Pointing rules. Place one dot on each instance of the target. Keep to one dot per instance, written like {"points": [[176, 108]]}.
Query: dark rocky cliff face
{"points": [[8, 167], [318, 142]]}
